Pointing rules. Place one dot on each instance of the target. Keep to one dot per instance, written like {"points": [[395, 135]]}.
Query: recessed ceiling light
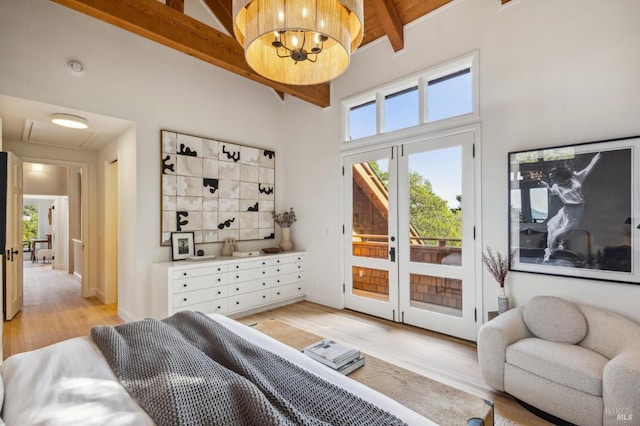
{"points": [[69, 120], [76, 66]]}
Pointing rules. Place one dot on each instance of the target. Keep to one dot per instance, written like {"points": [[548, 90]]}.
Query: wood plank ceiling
{"points": [[168, 25]]}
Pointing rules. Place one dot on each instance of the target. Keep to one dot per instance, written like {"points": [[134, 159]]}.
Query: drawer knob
{"points": [[299, 277], [237, 303], [237, 289], [278, 280], [219, 308], [219, 279], [264, 263], [237, 266], [218, 269], [278, 293], [264, 272], [264, 297], [184, 285], [184, 274], [277, 270], [185, 299], [219, 292], [264, 283], [299, 288], [238, 276], [278, 261]]}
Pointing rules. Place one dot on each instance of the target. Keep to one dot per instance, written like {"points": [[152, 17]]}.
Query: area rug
{"points": [[436, 401]]}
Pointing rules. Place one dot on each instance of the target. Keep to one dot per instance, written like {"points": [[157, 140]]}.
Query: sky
{"points": [[447, 98]]}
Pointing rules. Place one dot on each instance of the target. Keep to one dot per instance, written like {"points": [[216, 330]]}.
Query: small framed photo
{"points": [[182, 245]]}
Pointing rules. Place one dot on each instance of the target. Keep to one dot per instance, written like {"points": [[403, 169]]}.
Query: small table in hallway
{"points": [[35, 241]]}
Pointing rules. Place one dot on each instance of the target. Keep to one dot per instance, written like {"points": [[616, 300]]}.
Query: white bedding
{"points": [[70, 383]]}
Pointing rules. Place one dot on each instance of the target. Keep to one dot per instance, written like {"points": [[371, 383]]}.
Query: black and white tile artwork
{"points": [[216, 189]]}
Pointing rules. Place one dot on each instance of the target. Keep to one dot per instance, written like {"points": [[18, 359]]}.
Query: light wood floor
{"points": [[54, 311]]}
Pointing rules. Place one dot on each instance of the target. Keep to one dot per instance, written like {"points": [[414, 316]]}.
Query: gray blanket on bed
{"points": [[189, 370]]}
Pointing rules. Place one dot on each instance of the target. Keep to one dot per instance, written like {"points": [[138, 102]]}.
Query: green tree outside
{"points": [[30, 225], [429, 214]]}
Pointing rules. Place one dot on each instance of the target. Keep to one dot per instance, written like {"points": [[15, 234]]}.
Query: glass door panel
{"points": [[435, 211], [370, 229], [437, 286]]}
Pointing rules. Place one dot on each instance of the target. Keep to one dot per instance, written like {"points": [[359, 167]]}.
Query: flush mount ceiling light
{"points": [[298, 42], [69, 120]]}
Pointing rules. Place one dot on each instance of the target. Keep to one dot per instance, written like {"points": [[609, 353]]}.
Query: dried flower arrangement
{"points": [[286, 219], [498, 265]]}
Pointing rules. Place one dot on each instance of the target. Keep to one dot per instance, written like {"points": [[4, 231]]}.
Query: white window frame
{"points": [[420, 79]]}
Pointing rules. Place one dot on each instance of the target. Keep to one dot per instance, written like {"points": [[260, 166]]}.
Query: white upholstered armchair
{"points": [[575, 362]]}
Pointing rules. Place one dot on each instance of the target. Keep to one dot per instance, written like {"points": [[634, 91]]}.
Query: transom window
{"points": [[441, 93]]}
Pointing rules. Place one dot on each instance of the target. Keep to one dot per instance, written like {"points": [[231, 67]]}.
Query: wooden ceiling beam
{"points": [[162, 24], [222, 10], [390, 22], [176, 4]]}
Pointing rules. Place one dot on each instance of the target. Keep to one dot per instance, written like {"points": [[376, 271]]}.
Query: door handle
{"points": [[12, 253], [392, 254]]}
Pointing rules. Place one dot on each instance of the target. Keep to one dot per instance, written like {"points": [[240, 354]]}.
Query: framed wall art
{"points": [[574, 210], [215, 189], [182, 245]]}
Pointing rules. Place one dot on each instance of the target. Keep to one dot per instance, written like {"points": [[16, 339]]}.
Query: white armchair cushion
{"points": [[569, 365], [554, 319]]}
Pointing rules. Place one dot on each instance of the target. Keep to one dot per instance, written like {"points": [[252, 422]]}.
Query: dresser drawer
{"points": [[288, 259], [248, 300], [181, 285], [198, 296], [252, 264], [286, 268], [209, 307], [248, 286], [247, 275], [287, 291], [287, 279], [198, 272]]}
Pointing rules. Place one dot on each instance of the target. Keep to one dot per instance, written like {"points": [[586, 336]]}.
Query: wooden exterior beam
{"points": [[390, 22], [222, 10], [155, 21]]}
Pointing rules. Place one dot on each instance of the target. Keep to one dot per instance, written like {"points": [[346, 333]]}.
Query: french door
{"points": [[409, 234]]}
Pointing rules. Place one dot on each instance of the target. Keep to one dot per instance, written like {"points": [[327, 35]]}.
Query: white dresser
{"points": [[227, 285]]}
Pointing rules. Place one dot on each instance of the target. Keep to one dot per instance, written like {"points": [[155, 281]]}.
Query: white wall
{"points": [[153, 86], [52, 180], [551, 72]]}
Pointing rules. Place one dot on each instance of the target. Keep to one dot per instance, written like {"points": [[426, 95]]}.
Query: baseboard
{"points": [[77, 277]]}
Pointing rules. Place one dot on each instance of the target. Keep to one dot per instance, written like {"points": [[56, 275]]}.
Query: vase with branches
{"points": [[498, 266], [285, 220]]}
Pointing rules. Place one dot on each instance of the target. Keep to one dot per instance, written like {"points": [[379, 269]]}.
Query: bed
{"points": [[71, 382]]}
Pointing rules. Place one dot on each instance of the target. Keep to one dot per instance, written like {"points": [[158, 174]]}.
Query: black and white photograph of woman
{"points": [[572, 208], [566, 184]]}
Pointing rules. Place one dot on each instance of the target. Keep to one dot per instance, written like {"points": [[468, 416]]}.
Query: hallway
{"points": [[53, 311]]}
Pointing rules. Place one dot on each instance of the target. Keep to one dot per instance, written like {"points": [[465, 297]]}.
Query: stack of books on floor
{"points": [[339, 357]]}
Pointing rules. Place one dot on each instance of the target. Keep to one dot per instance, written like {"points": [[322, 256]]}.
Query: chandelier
{"points": [[298, 42]]}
